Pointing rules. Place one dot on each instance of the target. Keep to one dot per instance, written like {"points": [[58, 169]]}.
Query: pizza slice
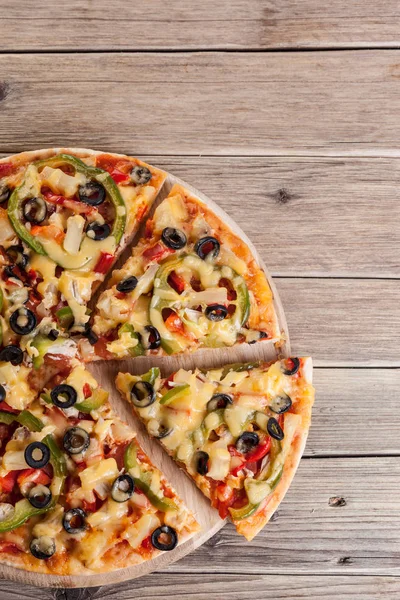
{"points": [[77, 493], [65, 216], [238, 431], [190, 283]]}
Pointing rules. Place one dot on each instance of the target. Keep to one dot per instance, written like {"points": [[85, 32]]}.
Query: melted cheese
{"points": [[136, 533], [77, 291], [60, 182], [104, 472], [15, 380], [78, 377]]}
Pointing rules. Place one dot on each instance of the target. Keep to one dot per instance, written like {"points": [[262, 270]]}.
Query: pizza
{"points": [[238, 431], [190, 283], [78, 494], [65, 216]]}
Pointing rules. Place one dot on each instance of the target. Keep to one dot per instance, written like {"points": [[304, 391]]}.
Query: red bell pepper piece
{"points": [[75, 205], [104, 263], [177, 282], [87, 390], [33, 476], [260, 451], [7, 408], [119, 176], [157, 252], [174, 324], [8, 481]]}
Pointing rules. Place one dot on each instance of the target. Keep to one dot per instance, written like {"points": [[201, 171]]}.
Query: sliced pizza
{"points": [[190, 283], [238, 431], [77, 493]]}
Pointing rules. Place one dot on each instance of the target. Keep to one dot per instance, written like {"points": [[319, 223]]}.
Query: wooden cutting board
{"points": [[105, 373]]}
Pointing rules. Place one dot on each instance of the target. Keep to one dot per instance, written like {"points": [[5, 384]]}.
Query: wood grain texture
{"points": [[204, 103], [308, 216], [231, 24]]}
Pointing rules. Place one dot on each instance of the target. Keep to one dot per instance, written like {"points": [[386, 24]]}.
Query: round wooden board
{"points": [[105, 373]]}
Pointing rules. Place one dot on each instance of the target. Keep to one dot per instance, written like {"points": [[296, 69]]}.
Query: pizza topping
{"points": [[140, 175], [34, 210], [5, 192], [218, 401], [160, 431], [43, 547], [2, 393], [123, 487], [173, 238], [53, 334], [91, 336], [92, 193], [247, 441], [12, 354], [274, 429], [207, 247], [37, 455], [216, 312], [39, 496], [164, 538], [201, 461], [142, 394], [98, 231], [76, 440], [291, 366], [22, 321], [63, 396], [127, 285], [280, 404], [74, 520], [151, 338], [16, 255]]}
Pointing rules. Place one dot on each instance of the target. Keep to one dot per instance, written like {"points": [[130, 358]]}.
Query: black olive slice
{"points": [[262, 336], [140, 175], [37, 455], [74, 520], [218, 401], [280, 404], [127, 285], [43, 547], [173, 238], [171, 538], [247, 442], [92, 193], [274, 429], [142, 394], [293, 366], [216, 312], [63, 396], [151, 337], [97, 231], [35, 210], [5, 193], [2, 393], [12, 354], [91, 336], [76, 440], [12, 271], [122, 488], [207, 246], [163, 431], [17, 256], [201, 461], [53, 334], [22, 321], [39, 496]]}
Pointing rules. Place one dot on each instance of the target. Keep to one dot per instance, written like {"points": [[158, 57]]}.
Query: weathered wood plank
{"points": [[236, 587], [209, 103], [343, 321], [351, 402], [310, 535], [307, 216], [233, 24]]}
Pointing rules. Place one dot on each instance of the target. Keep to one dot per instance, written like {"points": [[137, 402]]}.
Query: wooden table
{"points": [[287, 114]]}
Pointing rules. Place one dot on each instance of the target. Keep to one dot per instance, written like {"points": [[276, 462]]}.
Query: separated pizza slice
{"points": [[66, 216], [190, 283], [77, 493], [238, 431]]}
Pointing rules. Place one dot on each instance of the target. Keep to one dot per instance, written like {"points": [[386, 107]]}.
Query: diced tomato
{"points": [[225, 498], [75, 205], [7, 408], [89, 506], [174, 324], [50, 232], [87, 390], [33, 476], [157, 252], [119, 176], [146, 544], [177, 282], [10, 547], [104, 263], [260, 451], [6, 169], [8, 481]]}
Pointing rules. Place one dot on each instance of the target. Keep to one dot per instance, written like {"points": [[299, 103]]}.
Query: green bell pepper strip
{"points": [[46, 398], [170, 342], [143, 481], [65, 317], [137, 350], [20, 194], [42, 345], [25, 418], [94, 402], [175, 393], [274, 476], [151, 375], [239, 368], [23, 509]]}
